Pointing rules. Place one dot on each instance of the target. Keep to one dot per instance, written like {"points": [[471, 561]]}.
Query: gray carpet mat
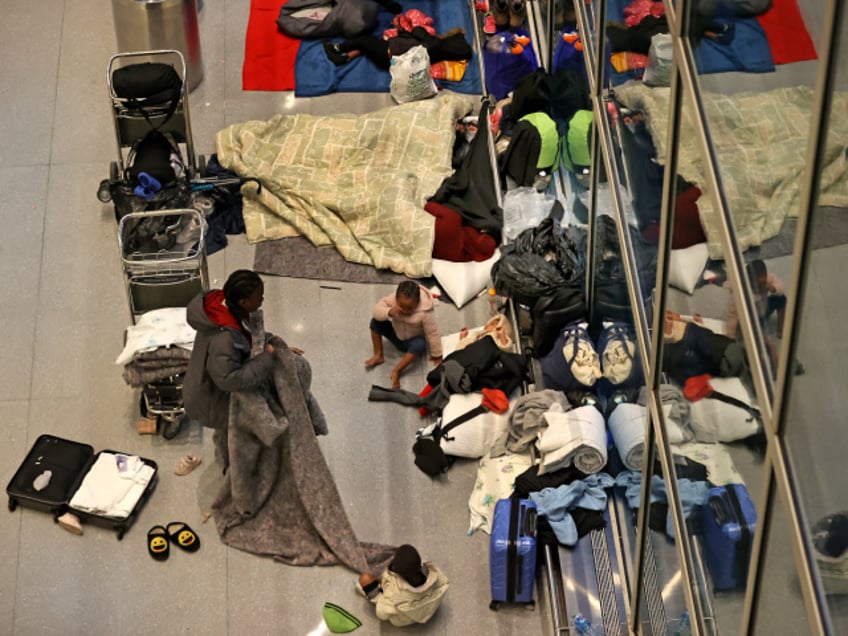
{"points": [[296, 257]]}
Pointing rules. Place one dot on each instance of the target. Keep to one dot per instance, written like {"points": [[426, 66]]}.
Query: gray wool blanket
{"points": [[279, 498], [525, 420], [151, 366]]}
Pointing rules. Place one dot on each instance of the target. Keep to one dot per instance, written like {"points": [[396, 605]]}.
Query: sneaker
{"points": [[481, 5], [70, 522], [500, 10], [725, 33], [517, 14], [489, 26], [523, 40], [830, 545], [335, 54]]}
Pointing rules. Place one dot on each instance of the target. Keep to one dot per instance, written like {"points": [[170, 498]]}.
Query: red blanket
{"points": [[787, 36], [269, 55]]}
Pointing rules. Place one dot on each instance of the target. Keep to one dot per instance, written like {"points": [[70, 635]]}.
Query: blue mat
{"points": [[316, 75], [749, 50]]}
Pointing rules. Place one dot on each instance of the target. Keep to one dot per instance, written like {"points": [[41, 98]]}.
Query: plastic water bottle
{"points": [[496, 303], [583, 625]]}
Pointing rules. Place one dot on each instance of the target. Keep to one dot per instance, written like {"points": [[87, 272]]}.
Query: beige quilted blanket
{"points": [[761, 142], [358, 183]]}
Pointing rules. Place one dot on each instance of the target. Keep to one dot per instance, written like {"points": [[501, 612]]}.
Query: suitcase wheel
{"points": [[121, 533], [103, 194], [12, 505], [531, 605], [494, 606]]}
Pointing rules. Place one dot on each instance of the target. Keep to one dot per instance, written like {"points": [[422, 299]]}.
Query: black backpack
{"points": [[146, 85], [152, 155]]}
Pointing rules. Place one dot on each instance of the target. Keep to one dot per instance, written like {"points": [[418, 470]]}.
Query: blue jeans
{"points": [[416, 345], [774, 303]]}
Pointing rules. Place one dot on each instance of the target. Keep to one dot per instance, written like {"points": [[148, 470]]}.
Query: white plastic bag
{"points": [[411, 79], [523, 208], [658, 71]]}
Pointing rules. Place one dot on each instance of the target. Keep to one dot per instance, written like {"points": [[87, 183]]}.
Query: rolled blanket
{"points": [[526, 419], [627, 425], [578, 438], [676, 409]]}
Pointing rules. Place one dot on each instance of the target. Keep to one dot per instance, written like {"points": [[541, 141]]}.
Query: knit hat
{"points": [[407, 564]]}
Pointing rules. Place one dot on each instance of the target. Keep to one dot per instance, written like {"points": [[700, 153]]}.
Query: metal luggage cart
{"points": [[133, 118], [163, 256]]}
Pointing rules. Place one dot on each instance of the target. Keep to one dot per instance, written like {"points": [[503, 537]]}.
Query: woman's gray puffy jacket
{"points": [[220, 364]]}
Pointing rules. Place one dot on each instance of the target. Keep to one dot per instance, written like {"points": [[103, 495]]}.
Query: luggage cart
{"points": [[163, 256], [143, 101]]}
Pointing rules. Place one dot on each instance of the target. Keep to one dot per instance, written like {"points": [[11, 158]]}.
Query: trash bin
{"points": [[148, 25]]}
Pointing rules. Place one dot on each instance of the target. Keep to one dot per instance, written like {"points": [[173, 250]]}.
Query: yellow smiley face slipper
{"points": [[183, 537], [158, 545]]}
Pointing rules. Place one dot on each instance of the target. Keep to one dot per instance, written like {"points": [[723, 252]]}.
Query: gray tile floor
{"points": [[65, 311]]}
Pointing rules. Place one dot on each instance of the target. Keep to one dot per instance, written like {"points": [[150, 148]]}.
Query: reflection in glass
{"points": [[781, 607]]}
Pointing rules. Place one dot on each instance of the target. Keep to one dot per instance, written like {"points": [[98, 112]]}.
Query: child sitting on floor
{"points": [[408, 320], [769, 298], [409, 591]]}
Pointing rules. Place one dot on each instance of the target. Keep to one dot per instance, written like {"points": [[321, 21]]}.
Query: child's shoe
{"points": [[335, 54], [500, 10], [517, 13], [523, 40], [481, 5], [489, 26]]}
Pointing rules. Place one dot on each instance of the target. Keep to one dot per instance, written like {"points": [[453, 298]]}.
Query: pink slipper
{"points": [[187, 464]]}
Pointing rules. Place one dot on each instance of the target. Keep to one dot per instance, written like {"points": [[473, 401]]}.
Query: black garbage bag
{"points": [[541, 260]]}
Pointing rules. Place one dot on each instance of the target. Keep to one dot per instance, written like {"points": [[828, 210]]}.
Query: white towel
{"points": [[158, 328], [578, 437], [113, 485], [627, 425]]}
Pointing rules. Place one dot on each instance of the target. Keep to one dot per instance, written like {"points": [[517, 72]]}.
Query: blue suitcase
{"points": [[729, 523], [512, 552]]}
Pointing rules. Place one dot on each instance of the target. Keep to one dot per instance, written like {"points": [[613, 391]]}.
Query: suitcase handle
{"points": [[528, 528], [719, 511]]}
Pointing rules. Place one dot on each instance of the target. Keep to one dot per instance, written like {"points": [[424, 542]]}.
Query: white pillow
{"points": [[475, 437], [686, 267], [716, 421], [463, 281]]}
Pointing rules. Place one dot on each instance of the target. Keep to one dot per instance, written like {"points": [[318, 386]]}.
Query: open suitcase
{"points": [[729, 523], [53, 472], [512, 552]]}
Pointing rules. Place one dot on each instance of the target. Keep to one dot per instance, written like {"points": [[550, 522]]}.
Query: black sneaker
{"points": [[335, 53]]}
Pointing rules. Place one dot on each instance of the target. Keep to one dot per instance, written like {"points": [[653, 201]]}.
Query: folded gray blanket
{"points": [[525, 420], [279, 498], [154, 365]]}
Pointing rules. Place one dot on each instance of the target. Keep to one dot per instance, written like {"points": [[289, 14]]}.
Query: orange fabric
{"points": [[495, 400], [269, 55], [697, 388]]}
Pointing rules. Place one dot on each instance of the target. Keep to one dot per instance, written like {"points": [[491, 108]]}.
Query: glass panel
{"points": [[816, 437], [781, 608], [712, 424], [757, 93]]}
